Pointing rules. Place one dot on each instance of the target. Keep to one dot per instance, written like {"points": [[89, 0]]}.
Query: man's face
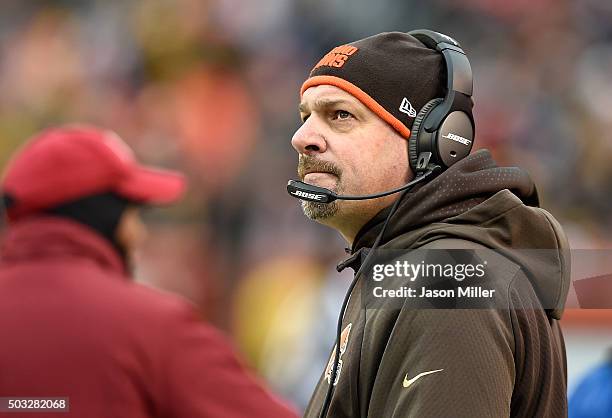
{"points": [[347, 148]]}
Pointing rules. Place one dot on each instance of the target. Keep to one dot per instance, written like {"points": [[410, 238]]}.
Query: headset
{"points": [[442, 134], [443, 131]]}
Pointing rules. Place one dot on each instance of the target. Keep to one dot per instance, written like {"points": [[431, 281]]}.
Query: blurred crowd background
{"points": [[211, 87]]}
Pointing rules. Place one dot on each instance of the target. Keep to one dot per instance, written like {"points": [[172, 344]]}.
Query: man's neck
{"points": [[348, 230]]}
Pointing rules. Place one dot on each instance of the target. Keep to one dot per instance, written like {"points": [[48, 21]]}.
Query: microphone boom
{"points": [[312, 193]]}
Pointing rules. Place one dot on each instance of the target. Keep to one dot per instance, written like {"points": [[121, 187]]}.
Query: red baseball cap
{"points": [[66, 163]]}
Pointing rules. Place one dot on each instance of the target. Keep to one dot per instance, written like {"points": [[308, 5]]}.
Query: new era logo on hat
{"points": [[406, 107], [71, 162]]}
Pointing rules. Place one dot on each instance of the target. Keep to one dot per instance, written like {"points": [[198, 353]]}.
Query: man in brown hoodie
{"points": [[381, 112]]}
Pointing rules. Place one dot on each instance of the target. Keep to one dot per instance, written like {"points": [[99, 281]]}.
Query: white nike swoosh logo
{"points": [[407, 382]]}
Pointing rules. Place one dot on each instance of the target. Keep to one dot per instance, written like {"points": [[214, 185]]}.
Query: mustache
{"points": [[308, 164]]}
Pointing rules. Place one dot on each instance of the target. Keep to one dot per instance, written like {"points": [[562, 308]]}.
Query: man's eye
{"points": [[342, 115], [304, 117]]}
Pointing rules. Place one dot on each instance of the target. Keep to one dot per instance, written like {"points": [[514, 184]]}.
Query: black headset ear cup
{"points": [[413, 141]]}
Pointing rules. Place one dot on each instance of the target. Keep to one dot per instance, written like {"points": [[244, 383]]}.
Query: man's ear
{"points": [[131, 230]]}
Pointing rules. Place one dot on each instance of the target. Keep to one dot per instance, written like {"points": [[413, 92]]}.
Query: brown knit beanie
{"points": [[391, 73]]}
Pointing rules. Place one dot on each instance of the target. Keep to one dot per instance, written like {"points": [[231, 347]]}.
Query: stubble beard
{"points": [[319, 211]]}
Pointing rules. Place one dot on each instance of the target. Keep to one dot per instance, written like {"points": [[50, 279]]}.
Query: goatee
{"points": [[313, 210]]}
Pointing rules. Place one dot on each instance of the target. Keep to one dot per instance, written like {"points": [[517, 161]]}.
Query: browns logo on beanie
{"points": [[391, 73]]}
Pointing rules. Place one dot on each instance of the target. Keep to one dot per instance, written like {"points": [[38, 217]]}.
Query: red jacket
{"points": [[73, 325]]}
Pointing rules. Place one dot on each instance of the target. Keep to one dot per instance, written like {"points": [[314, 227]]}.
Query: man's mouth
{"points": [[314, 175], [318, 173], [322, 179]]}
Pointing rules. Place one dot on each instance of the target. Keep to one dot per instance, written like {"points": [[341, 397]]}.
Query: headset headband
{"points": [[458, 74]]}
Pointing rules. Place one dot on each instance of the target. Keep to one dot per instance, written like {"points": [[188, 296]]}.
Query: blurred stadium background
{"points": [[211, 88]]}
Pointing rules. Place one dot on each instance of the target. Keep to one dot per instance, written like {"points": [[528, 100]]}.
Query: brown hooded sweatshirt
{"points": [[505, 360]]}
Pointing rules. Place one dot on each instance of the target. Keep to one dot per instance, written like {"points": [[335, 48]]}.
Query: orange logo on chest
{"points": [[344, 338]]}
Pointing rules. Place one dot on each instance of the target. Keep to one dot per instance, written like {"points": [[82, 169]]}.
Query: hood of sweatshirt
{"points": [[496, 207]]}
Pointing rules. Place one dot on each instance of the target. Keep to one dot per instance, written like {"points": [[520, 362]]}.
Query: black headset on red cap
{"points": [[442, 132]]}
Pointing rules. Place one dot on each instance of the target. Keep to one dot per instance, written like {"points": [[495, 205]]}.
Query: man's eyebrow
{"points": [[323, 103]]}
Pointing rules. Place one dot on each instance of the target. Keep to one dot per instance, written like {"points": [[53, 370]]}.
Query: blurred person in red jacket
{"points": [[73, 323]]}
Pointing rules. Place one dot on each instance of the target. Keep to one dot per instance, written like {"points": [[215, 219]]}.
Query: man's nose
{"points": [[308, 140]]}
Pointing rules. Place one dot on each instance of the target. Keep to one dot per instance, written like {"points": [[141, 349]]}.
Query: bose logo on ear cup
{"points": [[458, 138]]}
